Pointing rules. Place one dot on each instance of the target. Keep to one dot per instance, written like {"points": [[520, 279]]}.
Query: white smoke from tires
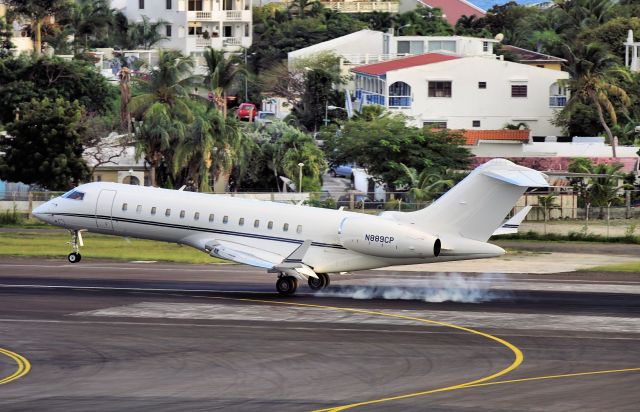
{"points": [[451, 287]]}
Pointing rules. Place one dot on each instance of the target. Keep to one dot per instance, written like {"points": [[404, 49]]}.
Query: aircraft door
{"points": [[104, 204]]}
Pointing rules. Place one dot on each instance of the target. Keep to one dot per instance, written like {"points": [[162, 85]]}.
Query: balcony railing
{"points": [[233, 14], [557, 101], [399, 102], [203, 15], [362, 6], [359, 59], [232, 41]]}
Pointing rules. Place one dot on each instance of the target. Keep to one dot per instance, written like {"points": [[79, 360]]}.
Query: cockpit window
{"points": [[74, 194]]}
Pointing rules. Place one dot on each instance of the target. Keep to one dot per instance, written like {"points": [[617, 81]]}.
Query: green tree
{"points": [[383, 144], [604, 189], [222, 73], [161, 104], [23, 78], [91, 19], [144, 33], [594, 74], [425, 185], [37, 11], [45, 145], [302, 8], [5, 38]]}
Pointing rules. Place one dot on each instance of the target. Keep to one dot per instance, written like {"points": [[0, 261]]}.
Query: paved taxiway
{"points": [[106, 336]]}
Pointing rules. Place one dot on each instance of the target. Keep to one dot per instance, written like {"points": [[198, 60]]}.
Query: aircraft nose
{"points": [[42, 212]]}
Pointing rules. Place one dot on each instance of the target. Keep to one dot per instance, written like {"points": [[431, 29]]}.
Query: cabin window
{"points": [[124, 207], [225, 220], [196, 216], [270, 225], [74, 194], [256, 223], [285, 227], [241, 221], [153, 210], [139, 209], [167, 212], [211, 217], [299, 229], [182, 214]]}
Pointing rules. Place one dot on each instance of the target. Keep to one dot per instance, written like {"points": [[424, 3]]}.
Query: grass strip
{"points": [[571, 237], [618, 267], [46, 244]]}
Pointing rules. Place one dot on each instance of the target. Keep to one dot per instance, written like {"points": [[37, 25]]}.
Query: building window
{"points": [[442, 45], [195, 30], [410, 47], [256, 223], [476, 123], [139, 209], [518, 90], [225, 220], [153, 210], [270, 225], [482, 85], [182, 214], [196, 216], [169, 5], [399, 95], [211, 217], [241, 221], [285, 227], [168, 30], [434, 125], [195, 5], [485, 46], [167, 212], [299, 229], [439, 89], [141, 4], [124, 207]]}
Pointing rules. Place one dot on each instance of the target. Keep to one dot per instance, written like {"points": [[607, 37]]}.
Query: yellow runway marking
{"points": [[518, 356], [566, 375], [23, 366]]}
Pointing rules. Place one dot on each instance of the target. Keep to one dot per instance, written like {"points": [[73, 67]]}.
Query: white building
{"points": [[193, 25], [464, 92]]}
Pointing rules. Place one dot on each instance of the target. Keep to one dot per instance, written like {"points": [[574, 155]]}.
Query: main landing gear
{"points": [[286, 285], [76, 242], [322, 281]]}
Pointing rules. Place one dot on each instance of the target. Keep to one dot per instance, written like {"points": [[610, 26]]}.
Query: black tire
{"points": [[316, 283], [327, 280], [287, 285], [73, 257], [79, 256]]}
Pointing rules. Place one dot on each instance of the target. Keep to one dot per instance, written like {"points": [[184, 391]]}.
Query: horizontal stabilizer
{"points": [[512, 225], [521, 178]]}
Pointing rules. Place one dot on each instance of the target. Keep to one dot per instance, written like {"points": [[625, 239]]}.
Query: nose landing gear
{"points": [[76, 242]]}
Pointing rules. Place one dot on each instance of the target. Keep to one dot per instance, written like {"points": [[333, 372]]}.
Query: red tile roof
{"points": [[454, 9], [378, 69], [473, 136]]}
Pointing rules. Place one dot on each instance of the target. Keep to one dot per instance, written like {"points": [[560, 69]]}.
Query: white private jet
{"points": [[298, 242]]}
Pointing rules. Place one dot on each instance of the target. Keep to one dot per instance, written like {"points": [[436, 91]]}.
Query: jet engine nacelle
{"points": [[383, 238]]}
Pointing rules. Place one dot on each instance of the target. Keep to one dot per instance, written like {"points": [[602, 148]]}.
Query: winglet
{"points": [[511, 226]]}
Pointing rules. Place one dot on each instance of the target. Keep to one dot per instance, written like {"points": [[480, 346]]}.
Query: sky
{"points": [[486, 4]]}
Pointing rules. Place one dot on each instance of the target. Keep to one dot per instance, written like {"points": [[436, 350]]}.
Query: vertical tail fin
{"points": [[476, 206]]}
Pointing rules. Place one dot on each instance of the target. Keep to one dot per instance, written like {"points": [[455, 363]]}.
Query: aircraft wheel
{"points": [[317, 283], [287, 285], [327, 280], [74, 257]]}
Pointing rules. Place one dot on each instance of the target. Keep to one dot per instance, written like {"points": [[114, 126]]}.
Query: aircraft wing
{"points": [[292, 265], [511, 226]]}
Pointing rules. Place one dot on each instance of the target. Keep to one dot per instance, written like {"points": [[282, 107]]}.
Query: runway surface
{"points": [[105, 336]]}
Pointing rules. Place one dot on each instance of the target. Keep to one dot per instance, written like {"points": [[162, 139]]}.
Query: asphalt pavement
{"points": [[106, 336]]}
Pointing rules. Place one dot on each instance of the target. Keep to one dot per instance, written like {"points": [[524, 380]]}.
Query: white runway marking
{"points": [[267, 313]]}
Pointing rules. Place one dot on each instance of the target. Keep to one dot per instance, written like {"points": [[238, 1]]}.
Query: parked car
{"points": [[247, 111], [342, 170], [359, 200], [265, 118]]}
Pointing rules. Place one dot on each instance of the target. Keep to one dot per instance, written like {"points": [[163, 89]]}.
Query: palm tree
{"points": [[426, 184], [302, 6], [38, 11], [162, 105], [90, 18], [604, 188], [594, 72], [221, 74], [145, 33], [125, 97]]}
